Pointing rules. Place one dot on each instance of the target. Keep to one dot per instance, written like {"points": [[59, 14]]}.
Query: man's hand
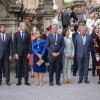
{"points": [[55, 54], [28, 56], [10, 58], [16, 56]]}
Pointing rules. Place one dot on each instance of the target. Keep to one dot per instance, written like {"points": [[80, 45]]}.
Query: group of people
{"points": [[69, 49]]}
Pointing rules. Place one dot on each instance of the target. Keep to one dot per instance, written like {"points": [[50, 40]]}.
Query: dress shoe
{"points": [[80, 81], [99, 82], [86, 81], [27, 84], [58, 83], [18, 84], [93, 74], [65, 81], [74, 74], [51, 83], [3, 75], [8, 83]]}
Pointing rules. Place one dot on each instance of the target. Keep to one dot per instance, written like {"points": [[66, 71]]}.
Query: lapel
{"points": [[80, 39], [52, 37], [86, 39], [0, 38], [19, 35]]}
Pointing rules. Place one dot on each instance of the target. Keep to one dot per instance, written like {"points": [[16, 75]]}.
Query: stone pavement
{"points": [[64, 92]]}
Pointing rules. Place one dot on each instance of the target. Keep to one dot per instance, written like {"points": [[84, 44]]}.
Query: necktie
{"points": [[3, 38], [22, 35], [55, 36]]}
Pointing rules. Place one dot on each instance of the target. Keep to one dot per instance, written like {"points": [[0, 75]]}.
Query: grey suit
{"points": [[83, 53], [67, 62], [55, 62]]}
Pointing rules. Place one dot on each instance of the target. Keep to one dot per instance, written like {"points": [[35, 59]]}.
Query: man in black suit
{"points": [[73, 14], [93, 36], [5, 54], [65, 16], [22, 50], [55, 46], [75, 67]]}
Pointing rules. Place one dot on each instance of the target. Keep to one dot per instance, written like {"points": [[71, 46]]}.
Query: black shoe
{"points": [[99, 82], [58, 83], [86, 81], [80, 81], [51, 83], [19, 83], [74, 74], [27, 84], [93, 74], [8, 83], [3, 75], [0, 83]]}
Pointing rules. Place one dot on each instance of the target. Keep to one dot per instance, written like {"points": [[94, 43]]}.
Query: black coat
{"points": [[20, 45], [6, 47]]}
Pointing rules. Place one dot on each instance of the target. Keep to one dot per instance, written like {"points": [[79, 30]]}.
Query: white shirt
{"points": [[2, 36]]}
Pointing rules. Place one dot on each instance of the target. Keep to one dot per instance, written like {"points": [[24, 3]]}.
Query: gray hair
{"points": [[22, 23]]}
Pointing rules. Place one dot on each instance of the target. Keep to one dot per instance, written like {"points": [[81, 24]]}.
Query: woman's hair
{"points": [[64, 31], [40, 33]]}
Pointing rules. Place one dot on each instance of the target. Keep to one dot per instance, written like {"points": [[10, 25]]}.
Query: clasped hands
{"points": [[70, 56], [55, 54], [40, 56]]}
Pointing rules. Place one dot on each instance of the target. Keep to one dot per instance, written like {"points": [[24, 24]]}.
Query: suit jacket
{"points": [[74, 37], [6, 48], [69, 47], [52, 48], [93, 36], [73, 15], [65, 18], [20, 45], [83, 50]]}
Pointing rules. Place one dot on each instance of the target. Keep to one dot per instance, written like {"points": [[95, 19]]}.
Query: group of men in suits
{"points": [[20, 48]]}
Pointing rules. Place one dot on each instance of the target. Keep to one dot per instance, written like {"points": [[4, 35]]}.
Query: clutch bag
{"points": [[40, 62]]}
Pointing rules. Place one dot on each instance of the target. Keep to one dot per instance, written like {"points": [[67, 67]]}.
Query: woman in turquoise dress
{"points": [[39, 49]]}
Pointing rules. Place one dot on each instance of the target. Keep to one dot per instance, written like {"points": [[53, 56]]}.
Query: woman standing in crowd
{"points": [[68, 55], [34, 30], [39, 48], [97, 54]]}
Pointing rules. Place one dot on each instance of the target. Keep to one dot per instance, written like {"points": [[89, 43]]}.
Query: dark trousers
{"points": [[4, 65], [93, 62], [75, 67], [22, 68], [98, 71], [83, 64], [54, 63]]}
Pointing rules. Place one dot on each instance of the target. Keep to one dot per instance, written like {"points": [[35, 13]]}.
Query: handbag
{"points": [[40, 62]]}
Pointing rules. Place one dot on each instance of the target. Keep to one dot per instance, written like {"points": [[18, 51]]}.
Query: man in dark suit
{"points": [[5, 54], [22, 50], [73, 14], [75, 67], [55, 46], [93, 36], [65, 16], [83, 47]]}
